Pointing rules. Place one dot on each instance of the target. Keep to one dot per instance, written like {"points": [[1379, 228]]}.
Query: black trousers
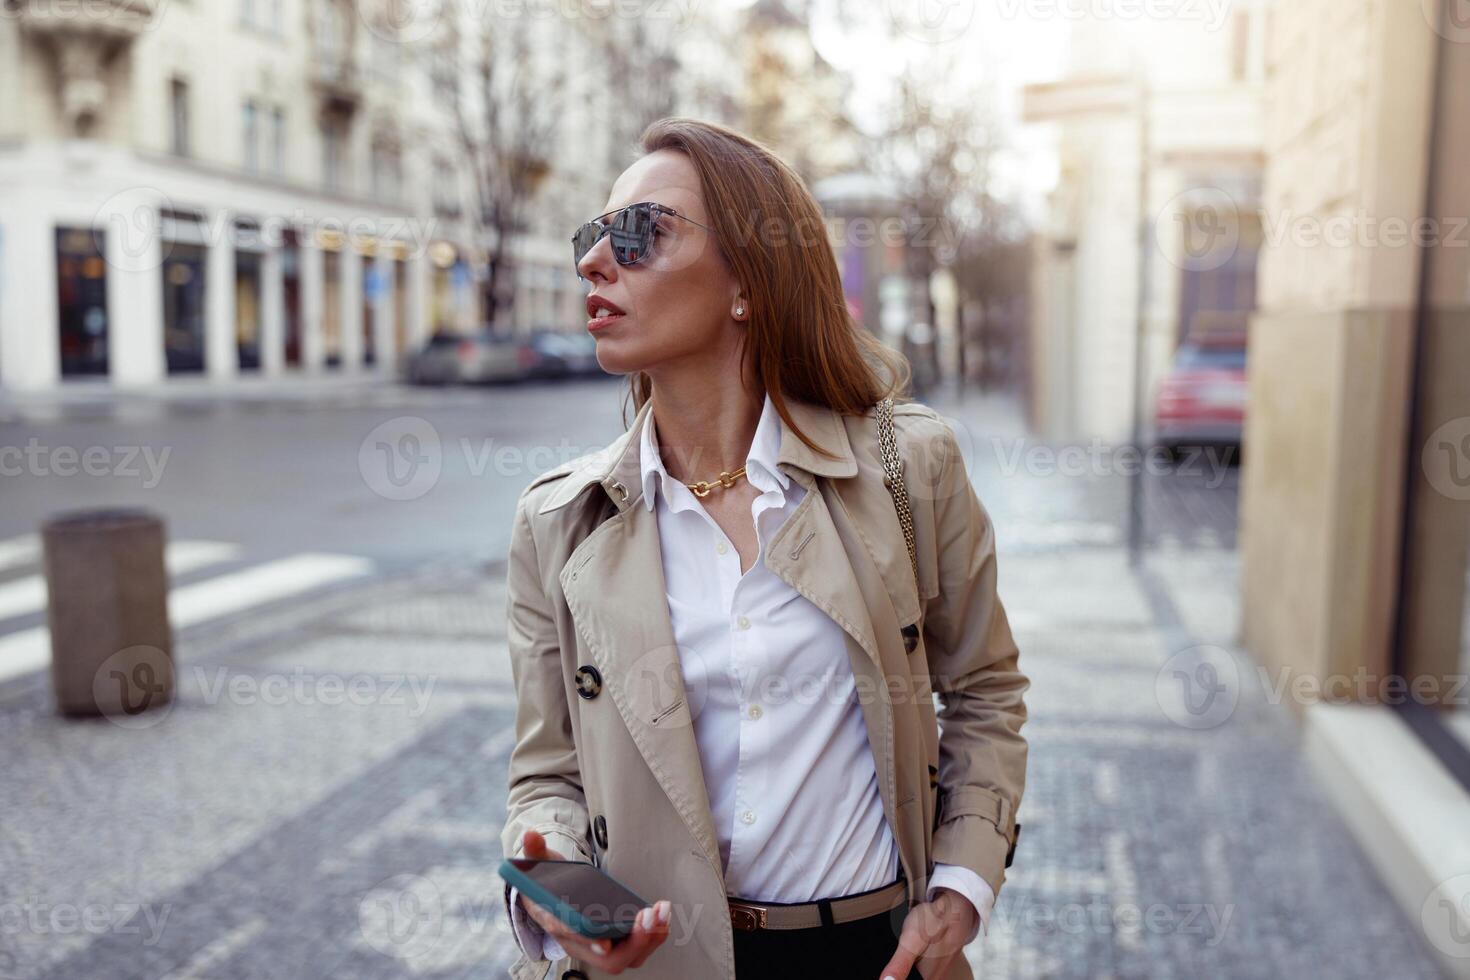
{"points": [[856, 950]]}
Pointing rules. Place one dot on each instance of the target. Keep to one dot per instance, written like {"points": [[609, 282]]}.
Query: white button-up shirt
{"points": [[792, 782]]}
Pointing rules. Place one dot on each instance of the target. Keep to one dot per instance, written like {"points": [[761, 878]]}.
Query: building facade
{"points": [[1159, 130], [1355, 505], [243, 187]]}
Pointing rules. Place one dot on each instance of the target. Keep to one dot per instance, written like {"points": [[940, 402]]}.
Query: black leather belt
{"points": [[750, 916]]}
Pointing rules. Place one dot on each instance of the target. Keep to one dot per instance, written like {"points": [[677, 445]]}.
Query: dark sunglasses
{"points": [[630, 229]]}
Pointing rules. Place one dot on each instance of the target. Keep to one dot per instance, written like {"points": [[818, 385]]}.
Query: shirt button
{"points": [[747, 817], [743, 622], [755, 711], [722, 547]]}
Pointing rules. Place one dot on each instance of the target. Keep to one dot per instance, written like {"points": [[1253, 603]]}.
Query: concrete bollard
{"points": [[111, 643]]}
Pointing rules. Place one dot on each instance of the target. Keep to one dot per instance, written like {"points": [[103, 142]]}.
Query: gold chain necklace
{"points": [[726, 480]]}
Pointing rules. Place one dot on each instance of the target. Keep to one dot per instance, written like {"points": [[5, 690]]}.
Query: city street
{"points": [[324, 796]]}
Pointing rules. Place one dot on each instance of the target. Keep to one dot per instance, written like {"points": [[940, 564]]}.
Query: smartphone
{"points": [[590, 901]]}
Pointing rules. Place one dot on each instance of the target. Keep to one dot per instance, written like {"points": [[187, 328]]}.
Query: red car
{"points": [[1201, 401]]}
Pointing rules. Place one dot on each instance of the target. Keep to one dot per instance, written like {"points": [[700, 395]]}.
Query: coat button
{"points": [[599, 831], [589, 681], [910, 637], [574, 975]]}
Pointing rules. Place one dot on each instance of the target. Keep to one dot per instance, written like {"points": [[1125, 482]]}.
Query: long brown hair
{"points": [[801, 340]]}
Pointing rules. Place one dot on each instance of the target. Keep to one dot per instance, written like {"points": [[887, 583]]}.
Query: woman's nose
{"points": [[598, 261]]}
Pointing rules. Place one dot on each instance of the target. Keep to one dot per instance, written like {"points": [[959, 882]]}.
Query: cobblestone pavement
{"points": [[324, 799]]}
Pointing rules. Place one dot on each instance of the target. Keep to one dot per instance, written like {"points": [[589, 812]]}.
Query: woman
{"points": [[725, 658]]}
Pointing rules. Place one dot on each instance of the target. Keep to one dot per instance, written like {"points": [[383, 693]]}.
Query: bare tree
{"points": [[508, 128], [938, 142]]}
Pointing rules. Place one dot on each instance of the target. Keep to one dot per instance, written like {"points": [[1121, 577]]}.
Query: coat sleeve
{"points": [[973, 662], [545, 776]]}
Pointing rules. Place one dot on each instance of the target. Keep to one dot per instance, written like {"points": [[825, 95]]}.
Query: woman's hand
{"points": [[933, 935], [610, 956]]}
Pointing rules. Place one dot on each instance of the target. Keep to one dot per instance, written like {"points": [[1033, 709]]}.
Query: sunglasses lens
{"points": [[631, 233], [582, 242], [629, 230]]}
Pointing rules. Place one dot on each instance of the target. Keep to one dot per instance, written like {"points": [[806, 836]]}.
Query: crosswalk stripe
{"points": [[28, 595], [15, 552], [29, 650]]}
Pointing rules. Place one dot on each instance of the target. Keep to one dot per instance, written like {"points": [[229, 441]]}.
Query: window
{"points": [[278, 141], [387, 180], [179, 116], [250, 136], [444, 69], [334, 152], [1240, 48], [446, 196]]}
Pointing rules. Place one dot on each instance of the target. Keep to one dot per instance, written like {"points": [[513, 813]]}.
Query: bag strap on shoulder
{"points": [[893, 480]]}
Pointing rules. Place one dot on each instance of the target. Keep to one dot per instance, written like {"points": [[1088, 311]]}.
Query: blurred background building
{"points": [[1157, 122], [1355, 504], [279, 186]]}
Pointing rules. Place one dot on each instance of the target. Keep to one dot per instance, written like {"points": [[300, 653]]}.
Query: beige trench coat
{"points": [[616, 779]]}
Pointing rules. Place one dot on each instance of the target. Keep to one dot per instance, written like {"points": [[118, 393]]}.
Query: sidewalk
{"points": [[324, 799]]}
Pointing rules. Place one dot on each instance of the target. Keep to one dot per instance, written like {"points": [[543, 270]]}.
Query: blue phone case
{"points": [[566, 913]]}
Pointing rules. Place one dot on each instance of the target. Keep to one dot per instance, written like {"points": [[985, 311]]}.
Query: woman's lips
{"points": [[598, 322]]}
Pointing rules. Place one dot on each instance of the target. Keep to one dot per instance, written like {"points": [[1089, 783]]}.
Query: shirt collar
{"points": [[760, 461]]}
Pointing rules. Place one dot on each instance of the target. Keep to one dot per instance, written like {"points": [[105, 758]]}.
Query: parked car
{"points": [[480, 358], [1202, 400], [565, 354]]}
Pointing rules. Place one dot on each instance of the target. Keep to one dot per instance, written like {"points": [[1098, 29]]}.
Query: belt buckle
{"points": [[748, 918]]}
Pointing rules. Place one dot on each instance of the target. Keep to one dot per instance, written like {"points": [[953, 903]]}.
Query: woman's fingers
{"points": [[572, 941], [649, 934], [650, 929], [533, 846]]}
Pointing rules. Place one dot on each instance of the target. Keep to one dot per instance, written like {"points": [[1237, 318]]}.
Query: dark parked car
{"points": [[480, 358], [1202, 399], [565, 354]]}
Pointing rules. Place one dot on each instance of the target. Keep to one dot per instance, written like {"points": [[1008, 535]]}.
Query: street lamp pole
{"points": [[1135, 481]]}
